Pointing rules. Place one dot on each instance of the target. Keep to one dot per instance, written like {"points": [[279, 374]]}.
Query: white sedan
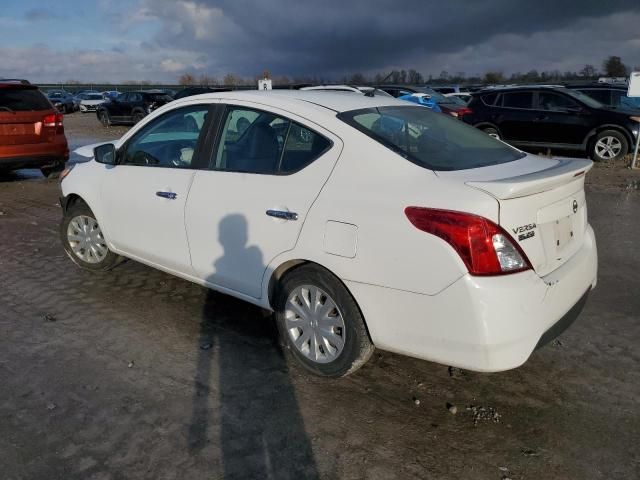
{"points": [[360, 221]]}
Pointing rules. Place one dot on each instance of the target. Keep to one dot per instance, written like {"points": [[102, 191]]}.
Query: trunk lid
{"points": [[541, 205], [20, 128]]}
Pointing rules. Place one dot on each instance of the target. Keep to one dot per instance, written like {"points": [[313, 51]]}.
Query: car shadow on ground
{"points": [[242, 371]]}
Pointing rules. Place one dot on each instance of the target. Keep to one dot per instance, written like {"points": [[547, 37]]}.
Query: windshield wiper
{"points": [[7, 109]]}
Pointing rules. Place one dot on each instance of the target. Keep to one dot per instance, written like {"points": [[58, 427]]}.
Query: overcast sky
{"points": [[157, 40]]}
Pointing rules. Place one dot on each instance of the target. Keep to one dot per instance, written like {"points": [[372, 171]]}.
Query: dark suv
{"points": [[553, 117], [610, 95], [130, 107]]}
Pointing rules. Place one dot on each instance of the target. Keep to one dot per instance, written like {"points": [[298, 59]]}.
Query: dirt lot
{"points": [[136, 374]]}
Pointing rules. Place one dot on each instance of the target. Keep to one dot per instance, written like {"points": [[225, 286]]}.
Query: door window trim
{"points": [[212, 149], [199, 152]]}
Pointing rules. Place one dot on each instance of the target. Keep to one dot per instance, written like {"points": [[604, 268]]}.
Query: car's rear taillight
{"points": [[464, 111], [484, 247], [52, 120]]}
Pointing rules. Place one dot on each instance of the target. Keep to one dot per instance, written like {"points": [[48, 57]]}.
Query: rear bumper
{"points": [[34, 155], [481, 323]]}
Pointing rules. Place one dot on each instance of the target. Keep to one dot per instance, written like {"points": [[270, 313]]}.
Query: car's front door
{"points": [[265, 172], [561, 120], [116, 107], [146, 193]]}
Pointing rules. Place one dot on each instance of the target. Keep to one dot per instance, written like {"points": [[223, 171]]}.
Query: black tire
{"points": [[52, 171], [137, 117], [491, 132], [620, 151], [109, 261], [104, 118], [357, 348]]}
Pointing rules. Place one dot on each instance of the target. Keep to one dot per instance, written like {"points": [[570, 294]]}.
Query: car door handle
{"points": [[169, 195], [541, 119], [282, 214]]}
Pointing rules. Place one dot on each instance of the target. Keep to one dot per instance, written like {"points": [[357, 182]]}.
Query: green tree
{"points": [[613, 67]]}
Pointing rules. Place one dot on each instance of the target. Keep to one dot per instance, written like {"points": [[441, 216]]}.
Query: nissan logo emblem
{"points": [[575, 206]]}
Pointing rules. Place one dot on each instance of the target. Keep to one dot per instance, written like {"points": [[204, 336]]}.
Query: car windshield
{"points": [[93, 96], [428, 139], [586, 99]]}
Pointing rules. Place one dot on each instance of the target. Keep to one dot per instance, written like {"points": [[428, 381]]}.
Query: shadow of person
{"points": [[242, 385]]}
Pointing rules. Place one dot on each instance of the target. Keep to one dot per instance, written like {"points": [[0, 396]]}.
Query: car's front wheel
{"points": [[84, 241], [137, 117], [104, 118], [609, 145], [53, 171], [320, 323]]}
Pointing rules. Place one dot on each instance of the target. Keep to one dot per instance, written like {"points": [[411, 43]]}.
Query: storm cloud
{"points": [[331, 38]]}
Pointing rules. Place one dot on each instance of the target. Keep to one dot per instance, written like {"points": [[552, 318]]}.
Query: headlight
{"points": [[66, 171]]}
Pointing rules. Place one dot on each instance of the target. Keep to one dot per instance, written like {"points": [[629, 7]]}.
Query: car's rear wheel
{"points": [[84, 241], [53, 171], [492, 132], [137, 117], [609, 145], [320, 323]]}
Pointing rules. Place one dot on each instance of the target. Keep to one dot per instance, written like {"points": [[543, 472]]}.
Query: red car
{"points": [[31, 130]]}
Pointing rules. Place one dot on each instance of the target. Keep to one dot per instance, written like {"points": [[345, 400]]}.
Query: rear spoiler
{"points": [[565, 171]]}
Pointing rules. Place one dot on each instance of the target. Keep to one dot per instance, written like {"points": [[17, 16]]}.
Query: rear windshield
{"points": [[23, 100], [160, 97], [431, 140]]}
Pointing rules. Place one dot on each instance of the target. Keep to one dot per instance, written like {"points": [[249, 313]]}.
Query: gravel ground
{"points": [[137, 374]]}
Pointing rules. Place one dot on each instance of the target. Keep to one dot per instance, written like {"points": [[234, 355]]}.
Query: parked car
{"points": [[31, 130], [422, 99], [345, 232], [130, 107], [553, 117], [190, 91], [610, 95], [110, 94], [89, 102], [463, 96], [448, 105], [62, 101], [365, 90], [445, 89]]}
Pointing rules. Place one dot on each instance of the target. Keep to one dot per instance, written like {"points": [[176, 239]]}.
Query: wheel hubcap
{"points": [[314, 324], [608, 147], [86, 240]]}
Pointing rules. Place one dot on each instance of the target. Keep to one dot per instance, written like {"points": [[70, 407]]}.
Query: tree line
{"points": [[612, 66]]}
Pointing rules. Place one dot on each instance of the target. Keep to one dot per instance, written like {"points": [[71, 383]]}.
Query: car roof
{"points": [[336, 101], [608, 86]]}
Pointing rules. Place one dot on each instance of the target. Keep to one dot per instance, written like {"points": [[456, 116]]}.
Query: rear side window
{"points": [[489, 99], [23, 100], [602, 95], [517, 100], [255, 141], [428, 139]]}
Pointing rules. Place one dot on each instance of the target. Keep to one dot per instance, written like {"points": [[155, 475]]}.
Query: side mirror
{"points": [[105, 154]]}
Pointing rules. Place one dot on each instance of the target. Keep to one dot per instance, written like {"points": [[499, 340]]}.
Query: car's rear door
{"points": [[516, 118], [144, 196], [265, 171]]}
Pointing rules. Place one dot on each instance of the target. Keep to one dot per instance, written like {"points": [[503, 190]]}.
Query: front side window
{"points": [[168, 141], [428, 139], [555, 103], [517, 100], [254, 141]]}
